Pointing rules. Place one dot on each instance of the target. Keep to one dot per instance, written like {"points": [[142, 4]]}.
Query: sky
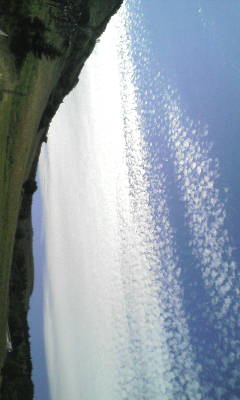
{"points": [[136, 221], [36, 310]]}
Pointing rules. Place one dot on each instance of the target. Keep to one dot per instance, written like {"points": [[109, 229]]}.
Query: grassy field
{"points": [[19, 121], [24, 94], [29, 97]]}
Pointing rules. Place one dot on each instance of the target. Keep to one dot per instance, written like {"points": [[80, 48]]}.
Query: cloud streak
{"points": [[114, 321]]}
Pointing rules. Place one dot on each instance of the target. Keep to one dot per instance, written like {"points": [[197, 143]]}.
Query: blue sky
{"points": [[151, 186], [36, 310]]}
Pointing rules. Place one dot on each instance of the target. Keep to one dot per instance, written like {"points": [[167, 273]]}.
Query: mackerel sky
{"points": [[136, 222]]}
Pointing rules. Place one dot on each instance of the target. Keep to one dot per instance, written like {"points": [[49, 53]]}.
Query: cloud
{"points": [[114, 320]]}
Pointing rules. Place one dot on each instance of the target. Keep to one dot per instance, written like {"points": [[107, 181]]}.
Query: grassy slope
{"points": [[43, 84]]}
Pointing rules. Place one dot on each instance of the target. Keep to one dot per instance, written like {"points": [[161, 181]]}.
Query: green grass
{"points": [[19, 120], [41, 83], [19, 140]]}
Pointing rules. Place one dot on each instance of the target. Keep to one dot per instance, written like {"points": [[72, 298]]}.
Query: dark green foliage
{"points": [[30, 186], [44, 138], [30, 36], [47, 116], [27, 33], [70, 17], [25, 211], [19, 234], [9, 8], [17, 370]]}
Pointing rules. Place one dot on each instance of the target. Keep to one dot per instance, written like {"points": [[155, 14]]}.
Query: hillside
{"points": [[46, 46]]}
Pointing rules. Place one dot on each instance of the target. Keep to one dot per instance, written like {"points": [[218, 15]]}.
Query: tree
{"points": [[30, 186], [71, 16], [30, 36]]}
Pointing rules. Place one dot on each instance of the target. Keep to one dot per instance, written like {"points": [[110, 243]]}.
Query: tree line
{"points": [[17, 370], [70, 17], [30, 36]]}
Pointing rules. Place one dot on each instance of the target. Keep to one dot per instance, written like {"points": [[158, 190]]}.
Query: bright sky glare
{"points": [[139, 191]]}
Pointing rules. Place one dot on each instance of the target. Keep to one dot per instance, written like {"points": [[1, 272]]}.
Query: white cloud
{"points": [[114, 320]]}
